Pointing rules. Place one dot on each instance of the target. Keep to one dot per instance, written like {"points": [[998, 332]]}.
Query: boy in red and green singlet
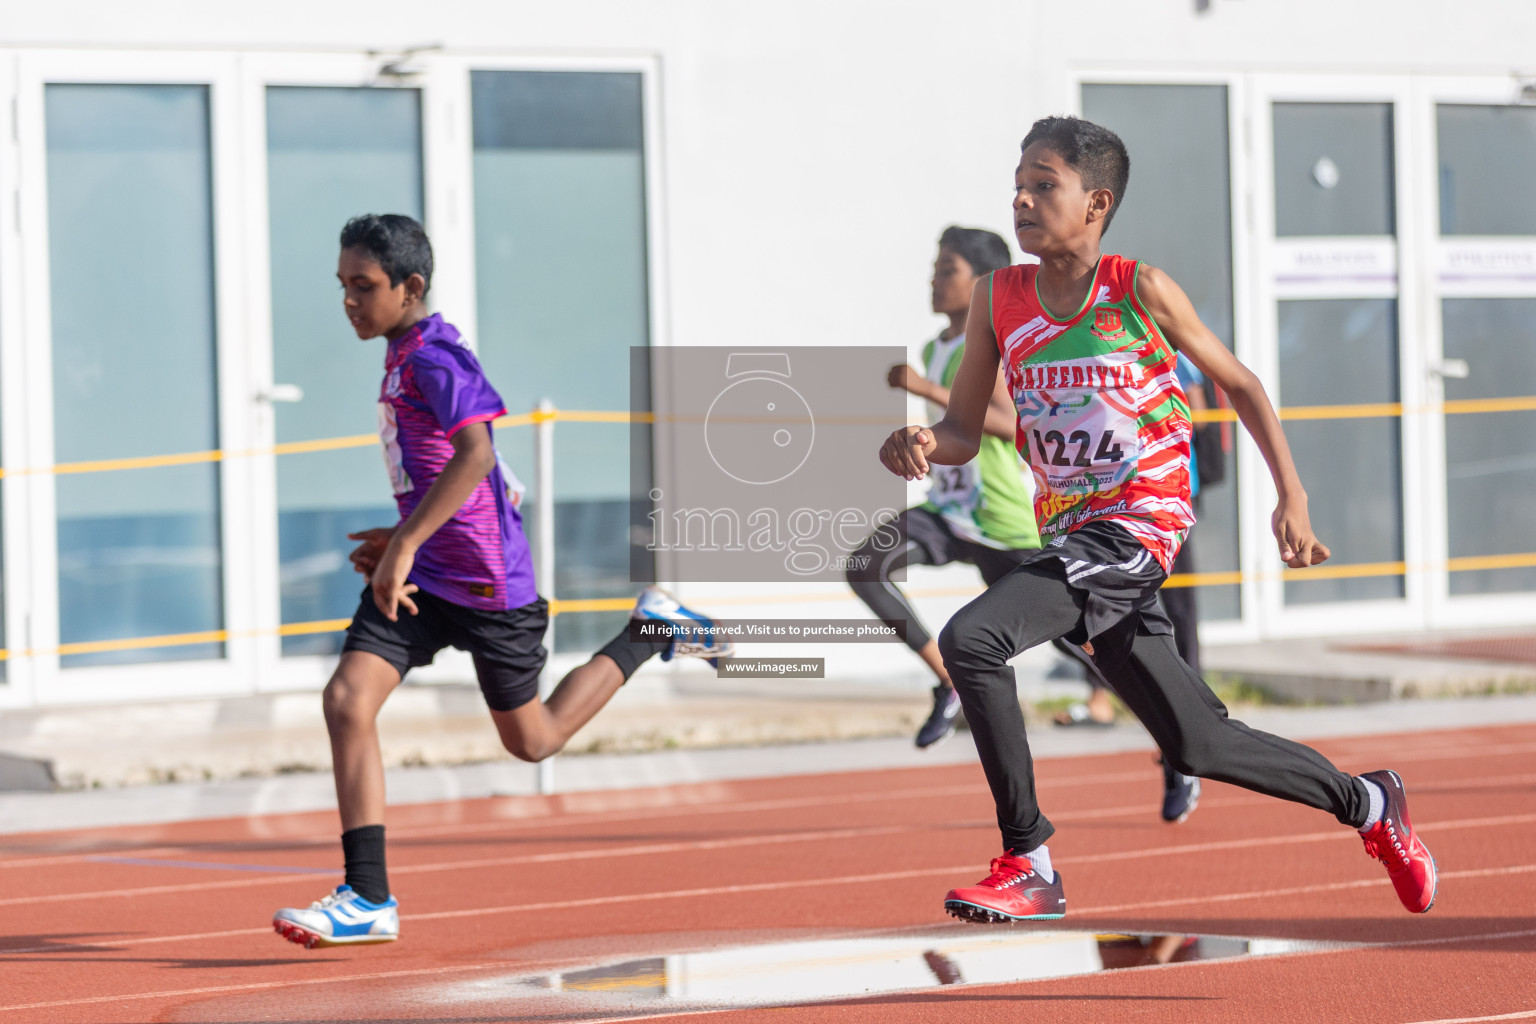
{"points": [[1088, 345]]}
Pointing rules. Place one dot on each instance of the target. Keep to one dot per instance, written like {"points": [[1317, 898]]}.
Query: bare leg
{"points": [[1099, 706], [540, 729], [931, 656], [352, 700]]}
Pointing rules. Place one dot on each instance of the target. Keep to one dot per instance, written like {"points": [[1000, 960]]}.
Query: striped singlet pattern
{"points": [[434, 387], [1103, 421]]}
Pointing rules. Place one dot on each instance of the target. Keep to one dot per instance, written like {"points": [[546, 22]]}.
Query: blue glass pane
{"points": [[1490, 467], [1178, 217], [1487, 160], [1341, 352], [1334, 169], [131, 269], [332, 154], [560, 226]]}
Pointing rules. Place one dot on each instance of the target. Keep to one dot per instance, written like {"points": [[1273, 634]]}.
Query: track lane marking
{"points": [[772, 838], [1186, 965], [764, 886], [1517, 1015], [209, 865], [536, 965], [559, 856], [1480, 753], [256, 986], [721, 806]]}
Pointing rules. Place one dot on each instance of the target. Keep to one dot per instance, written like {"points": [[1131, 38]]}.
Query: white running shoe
{"points": [[698, 639], [339, 919]]}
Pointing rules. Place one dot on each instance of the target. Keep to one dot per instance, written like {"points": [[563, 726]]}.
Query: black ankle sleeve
{"points": [[363, 850]]}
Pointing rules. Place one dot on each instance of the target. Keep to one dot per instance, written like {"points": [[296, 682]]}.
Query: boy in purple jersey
{"points": [[457, 564]]}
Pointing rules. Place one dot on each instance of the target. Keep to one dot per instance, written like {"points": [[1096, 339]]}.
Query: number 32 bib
{"points": [[1102, 421]]}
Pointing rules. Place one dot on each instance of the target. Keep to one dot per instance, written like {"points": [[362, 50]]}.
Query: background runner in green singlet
{"points": [[982, 512]]}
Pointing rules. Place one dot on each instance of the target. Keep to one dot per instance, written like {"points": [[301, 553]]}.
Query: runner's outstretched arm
{"points": [[955, 439], [1002, 417], [1180, 324], [474, 456]]}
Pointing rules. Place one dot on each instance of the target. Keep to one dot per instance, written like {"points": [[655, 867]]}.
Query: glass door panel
{"points": [[1333, 170], [562, 285], [1178, 217], [131, 268], [1490, 464], [1487, 157], [1487, 160], [332, 154], [1344, 352], [1336, 280]]}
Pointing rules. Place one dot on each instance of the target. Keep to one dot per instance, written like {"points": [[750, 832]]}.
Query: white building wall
{"points": [[813, 149], [810, 152]]}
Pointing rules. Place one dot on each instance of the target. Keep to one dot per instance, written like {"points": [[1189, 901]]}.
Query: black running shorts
{"points": [[507, 646], [1115, 572]]}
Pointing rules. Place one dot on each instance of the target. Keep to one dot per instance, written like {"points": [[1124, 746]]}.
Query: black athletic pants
{"points": [[926, 539], [1182, 608], [1034, 604]]}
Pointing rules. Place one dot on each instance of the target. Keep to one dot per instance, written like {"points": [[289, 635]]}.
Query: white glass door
{"points": [[15, 683], [1482, 317], [1178, 217], [133, 377], [333, 153], [327, 138], [1331, 165]]}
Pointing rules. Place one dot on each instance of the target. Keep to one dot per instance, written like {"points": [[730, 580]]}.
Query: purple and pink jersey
{"points": [[433, 388]]}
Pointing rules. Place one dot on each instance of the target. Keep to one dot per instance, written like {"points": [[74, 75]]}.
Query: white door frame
{"points": [[1341, 617], [448, 183], [232, 674], [14, 433], [1445, 611], [453, 117], [258, 71], [1255, 548]]}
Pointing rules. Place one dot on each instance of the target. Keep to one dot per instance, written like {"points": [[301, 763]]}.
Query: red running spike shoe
{"points": [[1393, 841], [1012, 892]]}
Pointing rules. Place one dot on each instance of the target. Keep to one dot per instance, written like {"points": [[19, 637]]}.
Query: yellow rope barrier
{"points": [[326, 444], [559, 607]]}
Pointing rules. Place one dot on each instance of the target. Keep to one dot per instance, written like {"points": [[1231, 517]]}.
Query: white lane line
{"points": [[972, 789], [1517, 1015], [103, 945], [256, 986], [536, 965], [1188, 965], [600, 853], [722, 804], [555, 857], [77, 858], [1299, 890], [486, 862]]}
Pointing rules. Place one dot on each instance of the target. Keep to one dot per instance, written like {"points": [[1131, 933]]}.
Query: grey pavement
{"points": [[311, 791]]}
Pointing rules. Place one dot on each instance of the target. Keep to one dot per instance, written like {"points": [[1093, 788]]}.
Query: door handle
{"points": [[1454, 369], [281, 393]]}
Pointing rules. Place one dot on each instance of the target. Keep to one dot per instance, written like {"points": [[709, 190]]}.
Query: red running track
{"points": [[170, 923]]}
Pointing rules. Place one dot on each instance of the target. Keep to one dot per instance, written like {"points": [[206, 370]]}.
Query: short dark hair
{"points": [[398, 243], [1096, 152], [984, 250]]}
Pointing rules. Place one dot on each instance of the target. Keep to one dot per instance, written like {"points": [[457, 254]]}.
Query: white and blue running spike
{"points": [[693, 634], [341, 918]]}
